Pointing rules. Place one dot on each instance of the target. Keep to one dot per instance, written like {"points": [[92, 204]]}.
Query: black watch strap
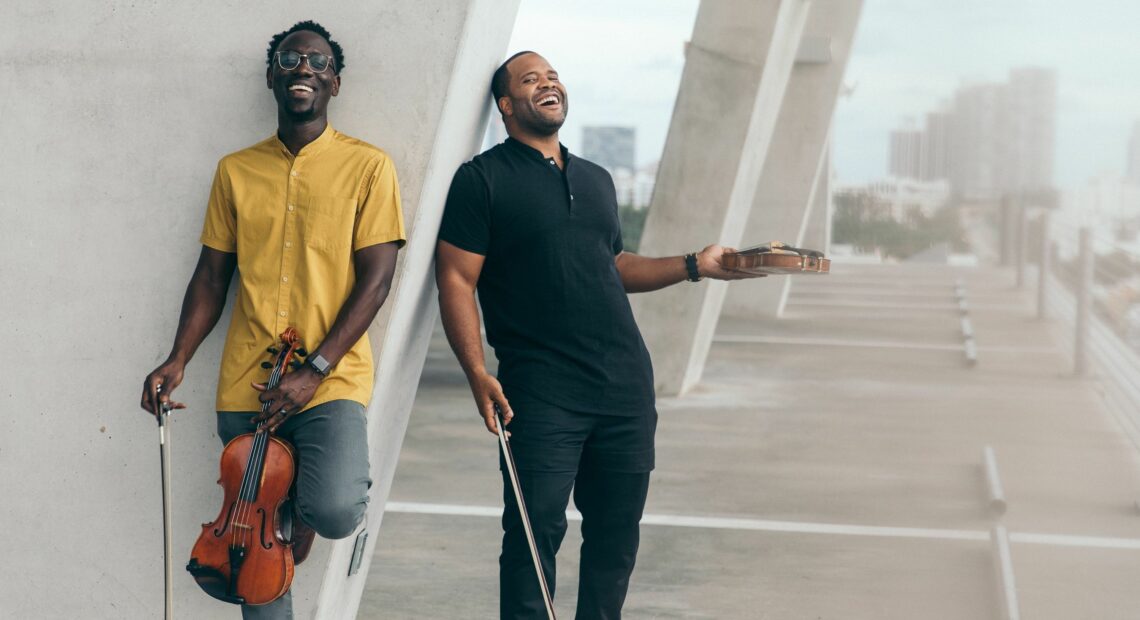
{"points": [[691, 267]]}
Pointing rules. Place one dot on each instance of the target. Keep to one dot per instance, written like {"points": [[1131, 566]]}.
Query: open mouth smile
{"points": [[549, 100]]}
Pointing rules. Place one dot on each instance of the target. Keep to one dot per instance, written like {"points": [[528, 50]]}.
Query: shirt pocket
{"points": [[329, 222]]}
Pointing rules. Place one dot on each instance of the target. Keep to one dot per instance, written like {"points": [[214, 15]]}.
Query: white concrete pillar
{"points": [[795, 175], [818, 233], [466, 41], [115, 117], [736, 71]]}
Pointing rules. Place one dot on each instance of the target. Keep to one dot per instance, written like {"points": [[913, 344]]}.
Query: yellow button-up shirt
{"points": [[294, 223]]}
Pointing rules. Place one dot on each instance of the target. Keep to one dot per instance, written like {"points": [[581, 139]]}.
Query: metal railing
{"points": [[1088, 286]]}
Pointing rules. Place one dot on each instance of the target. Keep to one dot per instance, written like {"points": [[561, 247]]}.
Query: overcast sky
{"points": [[622, 61]]}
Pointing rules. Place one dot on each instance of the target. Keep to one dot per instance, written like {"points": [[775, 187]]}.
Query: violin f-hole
{"points": [[265, 545], [225, 524]]}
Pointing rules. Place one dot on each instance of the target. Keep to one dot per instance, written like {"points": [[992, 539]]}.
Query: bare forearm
{"points": [[201, 308], [202, 305], [375, 267], [460, 316], [640, 274], [357, 313]]}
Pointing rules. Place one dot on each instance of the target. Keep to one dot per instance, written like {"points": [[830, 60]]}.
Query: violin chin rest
{"points": [[212, 582]]}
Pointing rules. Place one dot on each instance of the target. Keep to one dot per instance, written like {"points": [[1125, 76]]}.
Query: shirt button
{"points": [[288, 244], [282, 313], [290, 207], [293, 174], [284, 278]]}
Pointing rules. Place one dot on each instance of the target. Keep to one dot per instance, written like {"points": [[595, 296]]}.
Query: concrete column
{"points": [[469, 40], [818, 233], [736, 72], [1086, 275], [1043, 267], [123, 113], [796, 172]]}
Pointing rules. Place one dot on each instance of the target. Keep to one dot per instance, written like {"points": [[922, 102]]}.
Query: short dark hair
{"points": [[501, 80], [311, 26]]}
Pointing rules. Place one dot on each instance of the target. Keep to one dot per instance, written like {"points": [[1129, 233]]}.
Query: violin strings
{"points": [[256, 456], [255, 462]]}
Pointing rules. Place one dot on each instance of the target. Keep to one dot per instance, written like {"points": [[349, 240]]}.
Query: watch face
{"points": [[320, 364]]}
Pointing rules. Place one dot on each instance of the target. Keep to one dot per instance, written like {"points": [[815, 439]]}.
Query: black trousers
{"points": [[605, 462]]}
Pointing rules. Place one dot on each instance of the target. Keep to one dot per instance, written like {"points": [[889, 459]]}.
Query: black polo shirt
{"points": [[553, 303]]}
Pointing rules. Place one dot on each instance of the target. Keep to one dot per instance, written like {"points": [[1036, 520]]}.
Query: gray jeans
{"points": [[331, 450]]}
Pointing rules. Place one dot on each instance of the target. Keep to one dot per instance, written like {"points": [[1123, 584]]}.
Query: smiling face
{"points": [[536, 100], [301, 93]]}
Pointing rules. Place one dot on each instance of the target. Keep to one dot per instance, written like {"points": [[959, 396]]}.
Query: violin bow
{"points": [[512, 472], [164, 461]]}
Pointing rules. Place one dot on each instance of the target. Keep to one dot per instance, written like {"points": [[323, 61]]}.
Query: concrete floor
{"points": [[846, 442]]}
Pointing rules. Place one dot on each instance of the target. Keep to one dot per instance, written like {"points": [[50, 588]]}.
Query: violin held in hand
{"points": [[243, 557], [776, 258]]}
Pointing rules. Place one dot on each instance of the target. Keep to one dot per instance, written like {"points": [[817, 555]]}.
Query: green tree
{"points": [[865, 221], [632, 225]]}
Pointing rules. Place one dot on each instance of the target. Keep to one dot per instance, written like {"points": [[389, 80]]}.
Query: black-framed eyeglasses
{"points": [[289, 60]]}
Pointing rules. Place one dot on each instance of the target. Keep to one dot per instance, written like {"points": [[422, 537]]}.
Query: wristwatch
{"points": [[691, 267], [319, 364]]}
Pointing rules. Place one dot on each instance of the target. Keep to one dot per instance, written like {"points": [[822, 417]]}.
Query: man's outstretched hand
{"points": [[709, 265]]}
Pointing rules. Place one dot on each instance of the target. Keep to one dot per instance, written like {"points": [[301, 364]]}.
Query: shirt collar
{"points": [[316, 146], [530, 151]]}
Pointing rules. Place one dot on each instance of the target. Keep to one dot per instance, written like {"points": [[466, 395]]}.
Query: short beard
{"points": [[303, 116], [541, 125]]}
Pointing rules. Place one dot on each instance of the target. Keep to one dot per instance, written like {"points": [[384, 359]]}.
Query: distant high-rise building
{"points": [[634, 188], [976, 131], [992, 140], [906, 153], [936, 147], [1133, 168], [1030, 131], [610, 147]]}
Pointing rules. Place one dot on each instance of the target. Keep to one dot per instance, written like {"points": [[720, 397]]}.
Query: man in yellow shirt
{"points": [[311, 220]]}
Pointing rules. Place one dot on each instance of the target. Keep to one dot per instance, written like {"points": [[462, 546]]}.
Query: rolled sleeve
{"points": [[219, 231], [379, 216]]}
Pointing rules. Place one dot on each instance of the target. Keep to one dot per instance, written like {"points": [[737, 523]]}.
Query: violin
{"points": [[776, 258], [243, 557]]}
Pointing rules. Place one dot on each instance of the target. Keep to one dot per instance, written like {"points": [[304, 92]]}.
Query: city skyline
{"points": [[907, 57], [992, 139]]}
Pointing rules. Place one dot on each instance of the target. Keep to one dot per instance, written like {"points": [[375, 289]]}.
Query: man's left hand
{"points": [[291, 395], [709, 265]]}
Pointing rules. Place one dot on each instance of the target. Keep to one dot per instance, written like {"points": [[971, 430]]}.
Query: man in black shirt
{"points": [[535, 230]]}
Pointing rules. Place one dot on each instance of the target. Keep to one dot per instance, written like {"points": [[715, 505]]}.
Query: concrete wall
{"points": [[112, 120]]}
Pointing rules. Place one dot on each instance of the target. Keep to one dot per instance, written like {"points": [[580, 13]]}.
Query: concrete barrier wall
{"points": [[112, 118], [743, 51]]}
